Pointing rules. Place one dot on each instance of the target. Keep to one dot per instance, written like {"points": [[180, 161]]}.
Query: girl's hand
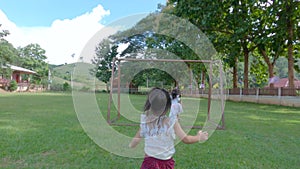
{"points": [[203, 135]]}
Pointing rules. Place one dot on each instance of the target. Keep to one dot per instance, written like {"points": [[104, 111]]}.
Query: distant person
{"points": [[159, 132], [176, 107]]}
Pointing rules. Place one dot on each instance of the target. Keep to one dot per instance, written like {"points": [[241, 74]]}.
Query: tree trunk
{"points": [[246, 67], [235, 74], [203, 77], [291, 66], [107, 87], [270, 65], [290, 47], [271, 73]]}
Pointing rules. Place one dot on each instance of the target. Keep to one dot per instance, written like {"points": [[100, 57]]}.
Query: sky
{"points": [[63, 27]]}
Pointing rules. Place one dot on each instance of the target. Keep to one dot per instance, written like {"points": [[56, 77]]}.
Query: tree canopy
{"points": [[30, 57], [254, 34], [237, 28]]}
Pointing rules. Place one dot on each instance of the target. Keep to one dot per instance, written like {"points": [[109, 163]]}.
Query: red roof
{"points": [[284, 82]]}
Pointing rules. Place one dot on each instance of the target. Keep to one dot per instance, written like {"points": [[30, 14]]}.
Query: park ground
{"points": [[42, 131]]}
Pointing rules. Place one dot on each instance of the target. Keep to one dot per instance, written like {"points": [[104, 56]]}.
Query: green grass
{"points": [[42, 131]]}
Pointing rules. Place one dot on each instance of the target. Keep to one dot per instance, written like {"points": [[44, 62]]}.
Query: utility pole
{"points": [[49, 79]]}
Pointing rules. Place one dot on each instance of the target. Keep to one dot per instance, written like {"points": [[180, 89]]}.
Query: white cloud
{"points": [[62, 39]]}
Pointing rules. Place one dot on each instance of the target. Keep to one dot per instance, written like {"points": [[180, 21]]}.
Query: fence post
{"points": [[257, 93], [241, 92]]}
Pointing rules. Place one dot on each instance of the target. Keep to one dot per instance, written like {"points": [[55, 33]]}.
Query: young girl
{"points": [[159, 132], [176, 107]]}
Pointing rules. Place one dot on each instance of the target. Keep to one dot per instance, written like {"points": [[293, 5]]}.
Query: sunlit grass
{"points": [[42, 131]]}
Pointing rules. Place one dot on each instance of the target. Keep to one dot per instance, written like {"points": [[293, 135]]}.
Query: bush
{"points": [[56, 87], [84, 89], [13, 85], [101, 91], [60, 87], [66, 87]]}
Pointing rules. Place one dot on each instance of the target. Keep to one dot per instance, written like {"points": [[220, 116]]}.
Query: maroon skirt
{"points": [[154, 163]]}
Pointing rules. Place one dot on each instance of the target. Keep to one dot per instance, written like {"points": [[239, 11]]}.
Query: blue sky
{"points": [[44, 12], [44, 21]]}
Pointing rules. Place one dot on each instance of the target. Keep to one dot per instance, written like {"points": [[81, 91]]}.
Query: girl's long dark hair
{"points": [[148, 105], [175, 93]]}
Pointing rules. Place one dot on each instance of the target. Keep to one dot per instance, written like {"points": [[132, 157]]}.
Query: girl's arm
{"points": [[135, 141], [188, 139]]}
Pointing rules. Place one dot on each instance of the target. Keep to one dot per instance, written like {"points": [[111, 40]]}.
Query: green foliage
{"points": [[56, 87], [66, 87], [103, 60], [33, 58], [3, 33], [297, 65], [6, 72], [281, 68], [143, 41], [85, 89], [60, 87], [239, 27], [258, 71], [156, 77], [33, 53], [13, 85], [7, 55], [226, 23]]}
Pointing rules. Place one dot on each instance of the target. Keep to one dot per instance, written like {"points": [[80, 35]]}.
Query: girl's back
{"points": [[159, 136]]}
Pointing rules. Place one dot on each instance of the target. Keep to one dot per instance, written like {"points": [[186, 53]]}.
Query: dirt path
{"points": [[2, 91]]}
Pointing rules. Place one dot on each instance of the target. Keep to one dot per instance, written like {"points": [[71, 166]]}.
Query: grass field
{"points": [[42, 131]]}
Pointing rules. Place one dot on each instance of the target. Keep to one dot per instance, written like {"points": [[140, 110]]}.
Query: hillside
{"points": [[62, 74], [64, 69]]}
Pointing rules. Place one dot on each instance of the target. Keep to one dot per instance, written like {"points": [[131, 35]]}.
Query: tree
{"points": [[268, 34], [154, 77], [7, 52], [159, 36], [33, 58], [258, 71], [13, 85], [3, 33], [226, 23], [156, 33], [105, 52], [276, 33], [271, 27], [291, 13]]}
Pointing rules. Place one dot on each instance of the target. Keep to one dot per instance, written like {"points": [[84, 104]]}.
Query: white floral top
{"points": [[159, 137]]}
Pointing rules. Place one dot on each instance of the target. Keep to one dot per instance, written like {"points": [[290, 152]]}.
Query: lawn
{"points": [[42, 131]]}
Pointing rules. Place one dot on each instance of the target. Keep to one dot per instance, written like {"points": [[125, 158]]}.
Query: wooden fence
{"points": [[250, 91], [274, 96], [265, 91]]}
